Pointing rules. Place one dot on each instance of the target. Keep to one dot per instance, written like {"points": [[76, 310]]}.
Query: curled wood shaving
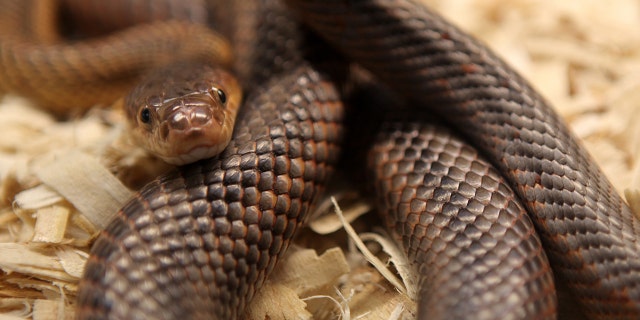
{"points": [[379, 265], [407, 292], [329, 223], [14, 308]]}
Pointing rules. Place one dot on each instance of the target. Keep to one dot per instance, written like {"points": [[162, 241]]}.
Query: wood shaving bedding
{"points": [[583, 55]]}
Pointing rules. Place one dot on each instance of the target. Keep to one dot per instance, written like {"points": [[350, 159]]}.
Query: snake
{"points": [[187, 118], [490, 238], [589, 233]]}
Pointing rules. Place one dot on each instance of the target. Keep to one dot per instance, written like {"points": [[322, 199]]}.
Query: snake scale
{"points": [[589, 233], [199, 242]]}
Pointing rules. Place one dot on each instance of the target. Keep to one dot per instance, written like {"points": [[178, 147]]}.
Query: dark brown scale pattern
{"points": [[474, 245], [589, 233], [198, 242]]}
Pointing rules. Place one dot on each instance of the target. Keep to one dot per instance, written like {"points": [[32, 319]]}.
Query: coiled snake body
{"points": [[200, 241]]}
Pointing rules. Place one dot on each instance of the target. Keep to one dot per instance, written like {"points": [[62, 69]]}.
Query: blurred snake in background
{"points": [[199, 241]]}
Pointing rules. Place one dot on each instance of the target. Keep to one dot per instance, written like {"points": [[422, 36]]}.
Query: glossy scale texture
{"points": [[590, 235]]}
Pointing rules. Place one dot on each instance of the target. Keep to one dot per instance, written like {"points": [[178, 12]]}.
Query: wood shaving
{"points": [[34, 261], [368, 255], [329, 223], [98, 206], [583, 55], [51, 310], [302, 275], [398, 259], [51, 223]]}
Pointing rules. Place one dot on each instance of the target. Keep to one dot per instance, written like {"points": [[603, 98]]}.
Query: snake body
{"points": [[460, 224], [202, 239], [199, 241], [589, 233]]}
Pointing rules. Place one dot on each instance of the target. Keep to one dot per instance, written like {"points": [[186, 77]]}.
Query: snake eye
{"points": [[145, 115], [221, 95]]}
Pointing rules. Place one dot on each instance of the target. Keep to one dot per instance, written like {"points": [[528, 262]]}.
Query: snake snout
{"points": [[190, 116]]}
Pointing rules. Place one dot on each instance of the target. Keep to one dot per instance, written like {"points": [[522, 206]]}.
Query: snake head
{"points": [[184, 112]]}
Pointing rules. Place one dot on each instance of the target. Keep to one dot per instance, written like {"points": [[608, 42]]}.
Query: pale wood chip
{"points": [[27, 260], [277, 302], [51, 310], [51, 224], [303, 273], [84, 224], [374, 260], [37, 197], [396, 307], [375, 299], [72, 260], [88, 185], [306, 272], [329, 223], [399, 259]]}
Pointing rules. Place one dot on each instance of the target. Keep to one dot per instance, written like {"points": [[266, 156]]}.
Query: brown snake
{"points": [[186, 118], [199, 241]]}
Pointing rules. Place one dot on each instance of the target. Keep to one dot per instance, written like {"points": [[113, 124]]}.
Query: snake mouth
{"points": [[194, 143], [193, 155]]}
